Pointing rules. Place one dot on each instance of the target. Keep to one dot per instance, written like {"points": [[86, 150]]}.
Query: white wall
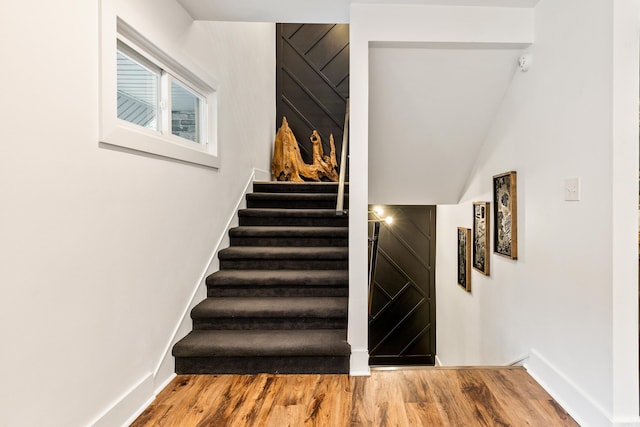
{"points": [[101, 250], [570, 300]]}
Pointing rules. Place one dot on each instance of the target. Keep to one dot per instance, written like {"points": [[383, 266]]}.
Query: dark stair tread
{"points": [[287, 231], [278, 277], [287, 253], [252, 343], [270, 307], [287, 213]]}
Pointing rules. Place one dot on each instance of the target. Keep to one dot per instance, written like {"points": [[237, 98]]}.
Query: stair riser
{"points": [[257, 365], [235, 323], [283, 264], [277, 291], [294, 204], [289, 241], [339, 221], [274, 187]]}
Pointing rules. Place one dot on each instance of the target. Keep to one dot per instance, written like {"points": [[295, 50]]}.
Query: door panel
{"points": [[402, 318]]}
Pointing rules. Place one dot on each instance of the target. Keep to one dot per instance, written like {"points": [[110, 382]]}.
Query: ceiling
{"points": [[309, 11]]}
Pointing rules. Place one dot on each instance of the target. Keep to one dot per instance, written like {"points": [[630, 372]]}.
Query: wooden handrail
{"points": [[343, 163]]}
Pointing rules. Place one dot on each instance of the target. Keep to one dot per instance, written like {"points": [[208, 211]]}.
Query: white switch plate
{"points": [[572, 189]]}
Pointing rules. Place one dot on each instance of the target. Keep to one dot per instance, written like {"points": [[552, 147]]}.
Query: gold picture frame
{"points": [[481, 232], [505, 215], [464, 258]]}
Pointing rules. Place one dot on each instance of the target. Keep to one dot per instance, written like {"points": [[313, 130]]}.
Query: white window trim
{"points": [[117, 132]]}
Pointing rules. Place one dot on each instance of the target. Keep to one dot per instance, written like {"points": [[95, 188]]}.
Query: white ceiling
{"points": [[294, 11], [309, 11]]}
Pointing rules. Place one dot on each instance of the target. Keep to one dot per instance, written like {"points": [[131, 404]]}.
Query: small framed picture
{"points": [[505, 215], [481, 227], [464, 257]]}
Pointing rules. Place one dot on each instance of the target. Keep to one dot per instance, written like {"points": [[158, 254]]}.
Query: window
{"points": [[185, 113], [153, 103], [138, 98], [144, 101]]}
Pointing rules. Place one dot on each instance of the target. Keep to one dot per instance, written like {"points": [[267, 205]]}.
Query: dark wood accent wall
{"points": [[312, 81], [402, 319]]}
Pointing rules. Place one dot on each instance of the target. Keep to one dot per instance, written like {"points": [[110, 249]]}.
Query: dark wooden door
{"points": [[402, 318], [312, 81]]}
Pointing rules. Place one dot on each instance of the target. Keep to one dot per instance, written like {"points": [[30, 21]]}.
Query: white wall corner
{"points": [[570, 396], [359, 363], [518, 361], [129, 406]]}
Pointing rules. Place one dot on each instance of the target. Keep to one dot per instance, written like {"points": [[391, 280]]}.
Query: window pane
{"points": [[185, 113], [137, 93]]}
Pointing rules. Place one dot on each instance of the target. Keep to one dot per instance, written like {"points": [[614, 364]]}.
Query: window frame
{"points": [[153, 69], [120, 133]]}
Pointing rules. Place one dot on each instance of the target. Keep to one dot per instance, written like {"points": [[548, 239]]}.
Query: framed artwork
{"points": [[481, 227], [464, 258], [505, 215]]}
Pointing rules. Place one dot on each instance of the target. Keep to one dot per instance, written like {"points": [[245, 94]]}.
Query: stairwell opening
{"points": [[402, 286]]}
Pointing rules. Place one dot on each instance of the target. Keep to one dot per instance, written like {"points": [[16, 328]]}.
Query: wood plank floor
{"points": [[413, 397]]}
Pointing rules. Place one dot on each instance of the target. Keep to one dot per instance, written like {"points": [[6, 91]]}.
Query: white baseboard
{"points": [[159, 387], [129, 406], [627, 422], [132, 404], [184, 325], [359, 363], [438, 362], [572, 398]]}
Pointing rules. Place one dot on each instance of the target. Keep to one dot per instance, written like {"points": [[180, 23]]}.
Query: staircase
{"points": [[279, 302]]}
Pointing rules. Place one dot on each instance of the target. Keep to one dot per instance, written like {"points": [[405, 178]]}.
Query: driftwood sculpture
{"points": [[287, 163]]}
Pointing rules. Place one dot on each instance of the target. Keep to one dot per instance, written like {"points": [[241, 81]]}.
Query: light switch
{"points": [[572, 189]]}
